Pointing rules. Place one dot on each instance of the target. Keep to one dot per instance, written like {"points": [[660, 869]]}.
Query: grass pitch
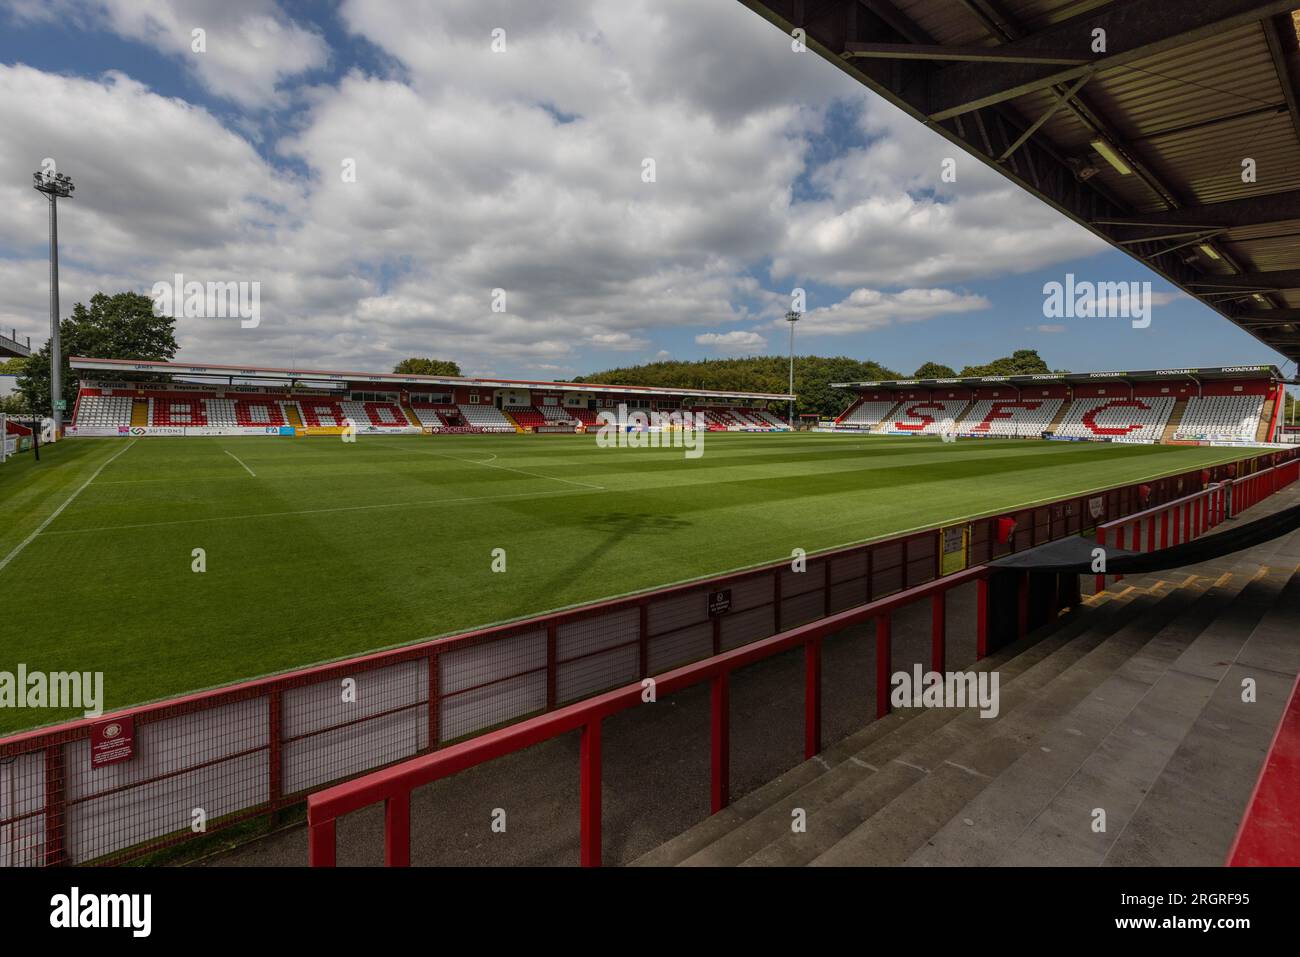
{"points": [[318, 549]]}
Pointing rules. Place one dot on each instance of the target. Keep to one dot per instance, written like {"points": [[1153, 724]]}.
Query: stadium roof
{"points": [[12, 348], [1073, 378], [1144, 143], [210, 370]]}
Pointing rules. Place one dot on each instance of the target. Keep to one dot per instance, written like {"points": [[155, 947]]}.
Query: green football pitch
{"points": [[317, 548]]}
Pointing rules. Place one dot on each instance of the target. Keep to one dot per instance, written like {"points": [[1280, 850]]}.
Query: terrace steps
{"points": [[1060, 416], [887, 418], [411, 416], [511, 419], [139, 412], [1265, 418], [1130, 703], [1175, 420]]}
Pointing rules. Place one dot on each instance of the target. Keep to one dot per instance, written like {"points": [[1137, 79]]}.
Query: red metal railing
{"points": [[393, 785], [1191, 516], [1269, 835]]}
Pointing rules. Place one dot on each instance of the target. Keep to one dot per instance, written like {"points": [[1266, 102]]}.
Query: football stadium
{"points": [[266, 604]]}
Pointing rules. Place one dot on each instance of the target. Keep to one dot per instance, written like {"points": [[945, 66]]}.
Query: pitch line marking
{"points": [[318, 511], [59, 511], [240, 461]]}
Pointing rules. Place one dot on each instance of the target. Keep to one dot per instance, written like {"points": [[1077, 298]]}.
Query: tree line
{"points": [[813, 375]]}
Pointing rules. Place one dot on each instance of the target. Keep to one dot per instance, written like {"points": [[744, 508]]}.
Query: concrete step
{"points": [[940, 783], [1190, 815], [1011, 660], [1000, 824], [890, 764]]}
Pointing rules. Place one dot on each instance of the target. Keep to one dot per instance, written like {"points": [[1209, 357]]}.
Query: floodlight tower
{"points": [[792, 317], [55, 186]]}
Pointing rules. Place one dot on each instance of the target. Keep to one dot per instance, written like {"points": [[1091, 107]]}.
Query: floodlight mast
{"points": [[792, 317], [54, 186]]}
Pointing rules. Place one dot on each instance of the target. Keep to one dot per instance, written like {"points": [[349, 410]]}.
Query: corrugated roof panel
{"points": [[1207, 164], [1264, 230], [948, 23], [1223, 76], [1266, 254], [1036, 14]]}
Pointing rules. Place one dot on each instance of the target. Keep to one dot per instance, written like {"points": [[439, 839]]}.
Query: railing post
{"points": [[1151, 533], [435, 704], [55, 804], [1119, 544], [321, 844], [589, 788], [643, 639], [812, 698], [721, 777], [1164, 528], [982, 619], [397, 830], [1099, 583], [884, 650], [552, 671], [938, 629]]}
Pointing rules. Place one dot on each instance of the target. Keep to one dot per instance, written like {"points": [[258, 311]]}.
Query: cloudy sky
{"points": [[380, 167]]}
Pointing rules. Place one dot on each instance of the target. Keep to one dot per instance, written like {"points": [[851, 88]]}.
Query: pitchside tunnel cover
{"points": [[1075, 554]]}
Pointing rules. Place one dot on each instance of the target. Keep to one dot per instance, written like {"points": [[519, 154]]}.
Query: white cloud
{"points": [[250, 46], [618, 341], [477, 171], [865, 310], [733, 342]]}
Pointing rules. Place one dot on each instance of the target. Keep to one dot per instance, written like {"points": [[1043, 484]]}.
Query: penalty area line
{"points": [[240, 461], [59, 511]]}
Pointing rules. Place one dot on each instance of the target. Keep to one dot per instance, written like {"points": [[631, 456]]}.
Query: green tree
{"points": [[15, 404], [813, 376], [934, 370], [122, 326], [418, 366], [1020, 362]]}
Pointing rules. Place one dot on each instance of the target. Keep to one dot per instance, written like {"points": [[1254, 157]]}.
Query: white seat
{"points": [[1015, 417], [1221, 417], [1116, 417]]}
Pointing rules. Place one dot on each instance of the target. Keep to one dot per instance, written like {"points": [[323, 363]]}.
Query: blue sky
{"points": [[521, 169]]}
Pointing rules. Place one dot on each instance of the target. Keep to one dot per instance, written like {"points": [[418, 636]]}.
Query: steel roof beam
{"points": [[935, 51], [1134, 30], [1274, 279], [1250, 210]]}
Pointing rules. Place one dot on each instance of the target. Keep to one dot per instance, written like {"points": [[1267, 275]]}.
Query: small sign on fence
{"points": [[719, 602], [954, 542], [112, 741]]}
